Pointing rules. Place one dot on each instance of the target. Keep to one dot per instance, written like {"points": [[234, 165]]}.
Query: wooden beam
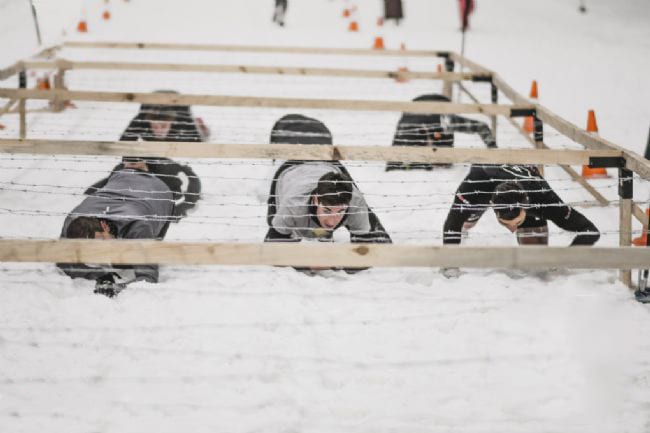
{"points": [[10, 71], [300, 151], [250, 101], [569, 170], [254, 49], [8, 106], [246, 69], [640, 215], [319, 254]]}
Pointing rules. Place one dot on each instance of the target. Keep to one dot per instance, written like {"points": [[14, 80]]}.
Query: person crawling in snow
{"points": [[311, 199], [523, 202], [435, 130], [168, 123], [133, 204]]}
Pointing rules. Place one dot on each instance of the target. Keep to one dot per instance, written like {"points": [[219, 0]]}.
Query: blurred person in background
{"points": [[279, 12]]}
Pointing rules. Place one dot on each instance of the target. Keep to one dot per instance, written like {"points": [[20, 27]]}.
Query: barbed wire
{"points": [[265, 163]]}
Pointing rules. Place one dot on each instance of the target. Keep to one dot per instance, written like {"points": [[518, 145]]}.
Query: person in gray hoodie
{"points": [[133, 204], [312, 199]]}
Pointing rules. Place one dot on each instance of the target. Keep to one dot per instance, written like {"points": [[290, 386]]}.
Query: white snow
{"points": [[256, 349]]}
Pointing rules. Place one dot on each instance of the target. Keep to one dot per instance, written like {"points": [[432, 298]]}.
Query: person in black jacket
{"points": [[522, 201], [435, 130], [169, 123]]}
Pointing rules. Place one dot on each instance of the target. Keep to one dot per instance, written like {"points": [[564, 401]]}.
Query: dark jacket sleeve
{"points": [[471, 200], [451, 232], [192, 194], [275, 236], [567, 218], [465, 125], [377, 233]]}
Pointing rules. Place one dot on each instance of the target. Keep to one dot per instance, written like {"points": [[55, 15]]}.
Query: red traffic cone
{"points": [[43, 83], [379, 39], [588, 172], [529, 124], [107, 12], [82, 26], [642, 240], [353, 26]]}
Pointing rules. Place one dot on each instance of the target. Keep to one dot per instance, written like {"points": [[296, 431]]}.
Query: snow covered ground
{"points": [[257, 349]]}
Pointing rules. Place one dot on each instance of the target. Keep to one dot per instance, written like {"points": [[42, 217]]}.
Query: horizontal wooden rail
{"points": [[253, 49], [467, 63], [248, 69], [302, 151], [251, 101], [319, 254]]}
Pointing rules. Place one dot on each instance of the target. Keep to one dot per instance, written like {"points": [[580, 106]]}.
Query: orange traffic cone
{"points": [[82, 25], [399, 76], [642, 240], [346, 13], [354, 25], [43, 83], [588, 172], [529, 125], [379, 39], [107, 12]]}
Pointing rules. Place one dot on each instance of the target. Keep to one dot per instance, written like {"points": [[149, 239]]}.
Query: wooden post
{"points": [[538, 137], [447, 87], [494, 90], [58, 105], [22, 83], [625, 193]]}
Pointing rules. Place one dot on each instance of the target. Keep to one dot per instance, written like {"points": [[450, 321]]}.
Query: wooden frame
{"points": [[319, 254], [623, 258]]}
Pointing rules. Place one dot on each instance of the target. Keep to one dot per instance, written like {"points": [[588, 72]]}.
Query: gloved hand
{"points": [[450, 272], [107, 286]]}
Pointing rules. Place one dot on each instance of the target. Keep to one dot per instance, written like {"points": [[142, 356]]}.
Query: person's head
{"points": [[331, 199], [299, 129], [89, 228], [161, 118], [509, 202]]}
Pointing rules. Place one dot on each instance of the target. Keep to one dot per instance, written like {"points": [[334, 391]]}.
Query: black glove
{"points": [[106, 285]]}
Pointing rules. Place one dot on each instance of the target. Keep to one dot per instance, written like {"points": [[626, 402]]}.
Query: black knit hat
{"points": [[508, 200]]}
